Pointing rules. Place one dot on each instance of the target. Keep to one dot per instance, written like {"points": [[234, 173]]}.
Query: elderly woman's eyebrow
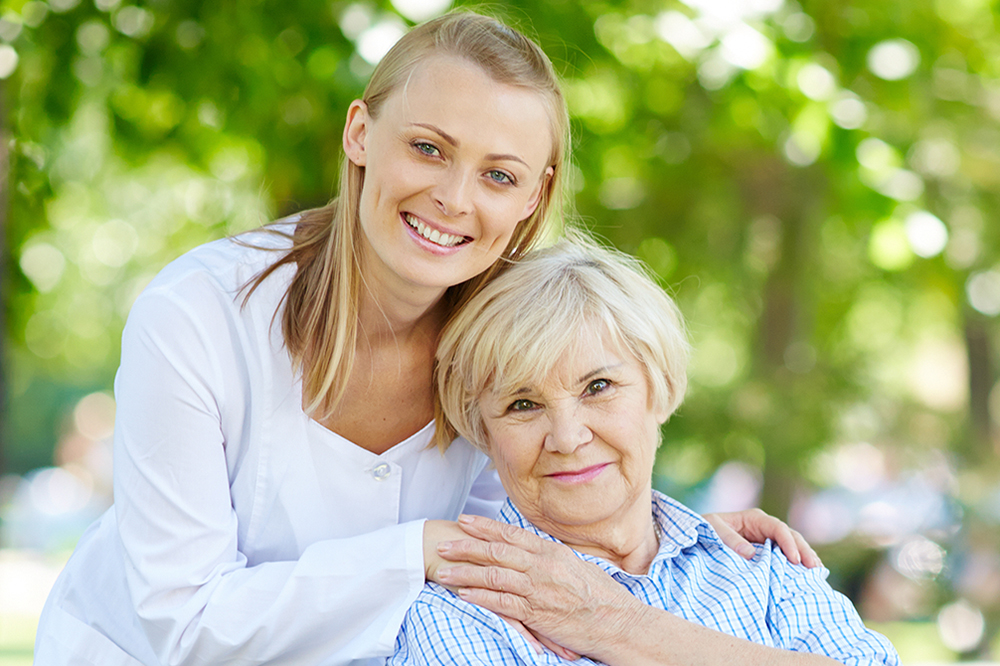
{"points": [[599, 371], [590, 375]]}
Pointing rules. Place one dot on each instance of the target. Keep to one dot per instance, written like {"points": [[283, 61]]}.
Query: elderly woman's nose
{"points": [[567, 431], [453, 193]]}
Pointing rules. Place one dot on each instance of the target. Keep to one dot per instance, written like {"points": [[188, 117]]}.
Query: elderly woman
{"points": [[563, 369]]}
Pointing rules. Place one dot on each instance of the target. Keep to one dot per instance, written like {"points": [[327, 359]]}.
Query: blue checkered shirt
{"points": [[694, 576]]}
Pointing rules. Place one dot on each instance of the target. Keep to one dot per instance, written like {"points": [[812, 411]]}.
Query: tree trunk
{"points": [[981, 378], [4, 202]]}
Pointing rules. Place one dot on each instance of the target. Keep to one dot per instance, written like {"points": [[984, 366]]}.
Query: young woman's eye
{"points": [[500, 177], [426, 148], [520, 405], [597, 386]]}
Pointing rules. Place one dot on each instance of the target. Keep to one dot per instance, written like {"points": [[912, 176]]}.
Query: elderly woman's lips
{"points": [[580, 475]]}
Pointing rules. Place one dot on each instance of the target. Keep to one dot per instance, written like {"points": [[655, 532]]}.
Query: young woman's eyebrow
{"points": [[496, 157]]}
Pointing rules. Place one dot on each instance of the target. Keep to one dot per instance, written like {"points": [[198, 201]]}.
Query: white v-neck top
{"points": [[244, 532]]}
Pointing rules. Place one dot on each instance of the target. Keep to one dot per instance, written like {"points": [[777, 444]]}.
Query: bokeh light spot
{"points": [[92, 37], [421, 10], [94, 416], [848, 111], [355, 19], [8, 60], [983, 291], [43, 264], [961, 626], [816, 82], [927, 234], [681, 33], [919, 558], [376, 41], [56, 491], [893, 59], [798, 27], [889, 247], [133, 21], [745, 47]]}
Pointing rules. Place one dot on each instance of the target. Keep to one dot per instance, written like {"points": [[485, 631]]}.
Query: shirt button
{"points": [[380, 472]]}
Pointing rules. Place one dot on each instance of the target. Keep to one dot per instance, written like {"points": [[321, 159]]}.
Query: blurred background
{"points": [[816, 181]]}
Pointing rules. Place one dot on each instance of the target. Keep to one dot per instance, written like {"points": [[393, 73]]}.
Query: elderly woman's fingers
{"points": [[538, 642], [497, 579], [584, 613], [491, 543], [519, 627], [491, 530], [569, 655]]}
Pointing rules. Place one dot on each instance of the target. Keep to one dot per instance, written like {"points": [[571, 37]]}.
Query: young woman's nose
{"points": [[567, 431], [453, 195]]}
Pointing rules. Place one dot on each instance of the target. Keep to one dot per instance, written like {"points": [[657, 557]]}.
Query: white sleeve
{"points": [[194, 595], [487, 495]]}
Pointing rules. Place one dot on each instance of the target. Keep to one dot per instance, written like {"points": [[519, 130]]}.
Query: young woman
{"points": [[276, 499]]}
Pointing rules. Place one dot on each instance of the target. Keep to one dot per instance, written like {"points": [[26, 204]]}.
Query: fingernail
{"points": [[444, 575], [746, 550], [465, 519], [444, 547]]}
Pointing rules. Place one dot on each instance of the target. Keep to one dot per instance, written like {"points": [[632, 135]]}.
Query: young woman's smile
{"points": [[453, 162]]}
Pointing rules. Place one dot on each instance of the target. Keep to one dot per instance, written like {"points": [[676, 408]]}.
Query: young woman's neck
{"points": [[393, 318]]}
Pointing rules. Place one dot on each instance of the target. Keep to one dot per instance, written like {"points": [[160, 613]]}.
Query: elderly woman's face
{"points": [[575, 453]]}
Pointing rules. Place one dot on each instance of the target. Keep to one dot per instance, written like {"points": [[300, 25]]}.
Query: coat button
{"points": [[380, 472]]}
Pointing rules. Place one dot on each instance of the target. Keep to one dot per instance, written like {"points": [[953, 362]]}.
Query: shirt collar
{"points": [[680, 526]]}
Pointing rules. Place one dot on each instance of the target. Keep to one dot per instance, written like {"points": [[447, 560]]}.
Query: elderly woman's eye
{"points": [[597, 386], [521, 405]]}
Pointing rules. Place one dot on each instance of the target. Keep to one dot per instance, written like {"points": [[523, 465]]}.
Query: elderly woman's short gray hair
{"points": [[514, 331]]}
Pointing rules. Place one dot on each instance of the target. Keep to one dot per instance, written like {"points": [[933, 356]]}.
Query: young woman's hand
{"points": [[436, 532], [738, 528]]}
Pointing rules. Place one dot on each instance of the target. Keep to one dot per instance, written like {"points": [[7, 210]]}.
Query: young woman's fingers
{"points": [[730, 537], [754, 525], [809, 557], [782, 535]]}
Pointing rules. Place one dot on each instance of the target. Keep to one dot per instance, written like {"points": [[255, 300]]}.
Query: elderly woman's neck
{"points": [[631, 548]]}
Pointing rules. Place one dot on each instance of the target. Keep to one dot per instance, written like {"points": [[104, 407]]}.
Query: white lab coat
{"points": [[243, 532]]}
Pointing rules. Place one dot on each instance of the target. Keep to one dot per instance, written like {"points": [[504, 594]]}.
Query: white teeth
{"points": [[433, 235]]}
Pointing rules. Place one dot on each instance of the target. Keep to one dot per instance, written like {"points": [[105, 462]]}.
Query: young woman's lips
{"points": [[430, 237], [581, 475]]}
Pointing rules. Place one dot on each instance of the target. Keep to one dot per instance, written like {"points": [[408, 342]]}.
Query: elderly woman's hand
{"points": [[564, 601], [735, 528]]}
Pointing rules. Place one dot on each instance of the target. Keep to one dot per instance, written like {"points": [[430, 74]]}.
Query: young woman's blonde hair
{"points": [[516, 329], [319, 322]]}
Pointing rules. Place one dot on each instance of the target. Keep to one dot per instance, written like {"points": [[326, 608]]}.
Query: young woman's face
{"points": [[453, 163]]}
